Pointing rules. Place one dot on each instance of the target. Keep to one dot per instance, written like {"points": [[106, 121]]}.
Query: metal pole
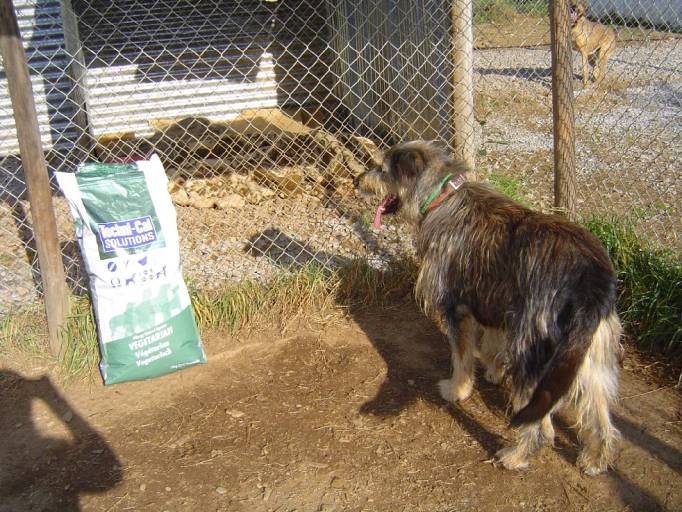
{"points": [[461, 15], [562, 110], [35, 170]]}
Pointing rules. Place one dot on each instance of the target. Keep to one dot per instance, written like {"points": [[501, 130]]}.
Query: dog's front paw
{"points": [[510, 458], [454, 392]]}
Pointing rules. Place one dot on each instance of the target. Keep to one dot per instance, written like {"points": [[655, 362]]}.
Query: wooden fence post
{"points": [[85, 142], [35, 171], [461, 15], [562, 109]]}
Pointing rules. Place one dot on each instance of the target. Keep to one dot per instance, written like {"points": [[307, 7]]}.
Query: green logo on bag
{"points": [[127, 225]]}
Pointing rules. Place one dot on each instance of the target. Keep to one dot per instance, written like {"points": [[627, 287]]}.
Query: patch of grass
{"points": [[361, 284], [312, 293], [79, 336], [227, 308], [496, 11], [365, 220], [539, 8], [513, 105], [650, 300], [493, 11], [510, 186], [24, 330]]}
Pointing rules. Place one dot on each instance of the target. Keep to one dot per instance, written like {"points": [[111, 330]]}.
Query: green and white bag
{"points": [[126, 228]]}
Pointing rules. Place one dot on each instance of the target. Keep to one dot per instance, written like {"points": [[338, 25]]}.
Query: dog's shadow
{"points": [[413, 348], [417, 356]]}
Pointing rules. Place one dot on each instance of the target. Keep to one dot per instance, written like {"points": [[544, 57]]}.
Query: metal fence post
{"points": [[462, 79], [562, 109], [35, 170]]}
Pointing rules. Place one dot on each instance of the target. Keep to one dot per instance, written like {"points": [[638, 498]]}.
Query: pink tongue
{"points": [[380, 210]]}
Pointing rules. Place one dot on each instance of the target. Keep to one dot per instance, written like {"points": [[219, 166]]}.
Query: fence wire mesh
{"points": [[263, 112]]}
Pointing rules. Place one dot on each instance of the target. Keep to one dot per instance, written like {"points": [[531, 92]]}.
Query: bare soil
{"points": [[343, 418]]}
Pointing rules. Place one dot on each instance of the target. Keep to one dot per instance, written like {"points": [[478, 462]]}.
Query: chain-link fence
{"points": [[263, 112], [628, 127]]}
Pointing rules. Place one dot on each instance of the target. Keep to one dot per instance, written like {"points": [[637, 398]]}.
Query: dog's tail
{"points": [[565, 365]]}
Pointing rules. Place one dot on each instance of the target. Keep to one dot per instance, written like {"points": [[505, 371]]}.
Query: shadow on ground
{"points": [[418, 358], [40, 472]]}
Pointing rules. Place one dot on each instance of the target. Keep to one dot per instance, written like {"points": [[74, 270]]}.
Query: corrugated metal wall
{"points": [[394, 65], [42, 31], [169, 59]]}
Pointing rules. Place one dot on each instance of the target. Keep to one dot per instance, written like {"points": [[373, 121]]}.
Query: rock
{"points": [[174, 185], [180, 197], [266, 121], [198, 201], [369, 152], [230, 201], [289, 179]]}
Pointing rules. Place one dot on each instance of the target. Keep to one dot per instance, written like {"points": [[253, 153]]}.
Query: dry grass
{"points": [[313, 295], [513, 105], [509, 29]]}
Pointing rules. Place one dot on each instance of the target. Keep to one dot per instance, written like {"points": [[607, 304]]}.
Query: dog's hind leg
{"points": [[529, 438], [595, 389], [603, 55], [462, 337], [493, 355]]}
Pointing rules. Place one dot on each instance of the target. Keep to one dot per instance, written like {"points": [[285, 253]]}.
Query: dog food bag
{"points": [[127, 232]]}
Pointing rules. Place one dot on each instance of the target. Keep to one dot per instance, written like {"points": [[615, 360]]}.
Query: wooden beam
{"points": [[562, 109], [35, 171], [72, 44], [461, 15]]}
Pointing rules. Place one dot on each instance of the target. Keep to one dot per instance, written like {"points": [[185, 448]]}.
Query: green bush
{"points": [[650, 280]]}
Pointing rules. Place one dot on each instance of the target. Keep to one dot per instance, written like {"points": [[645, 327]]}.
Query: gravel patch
{"points": [[229, 246]]}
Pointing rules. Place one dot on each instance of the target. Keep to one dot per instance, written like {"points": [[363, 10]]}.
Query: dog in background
{"points": [[543, 289], [594, 41]]}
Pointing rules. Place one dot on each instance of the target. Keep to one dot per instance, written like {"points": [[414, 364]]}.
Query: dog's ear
{"points": [[408, 163]]}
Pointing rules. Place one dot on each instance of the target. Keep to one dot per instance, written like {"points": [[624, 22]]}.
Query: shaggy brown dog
{"points": [[543, 288], [594, 41]]}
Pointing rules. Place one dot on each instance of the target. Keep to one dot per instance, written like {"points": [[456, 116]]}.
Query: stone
{"points": [[180, 197], [230, 201], [202, 202]]}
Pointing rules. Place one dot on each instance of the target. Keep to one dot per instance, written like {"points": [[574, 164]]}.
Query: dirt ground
{"points": [[343, 418]]}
